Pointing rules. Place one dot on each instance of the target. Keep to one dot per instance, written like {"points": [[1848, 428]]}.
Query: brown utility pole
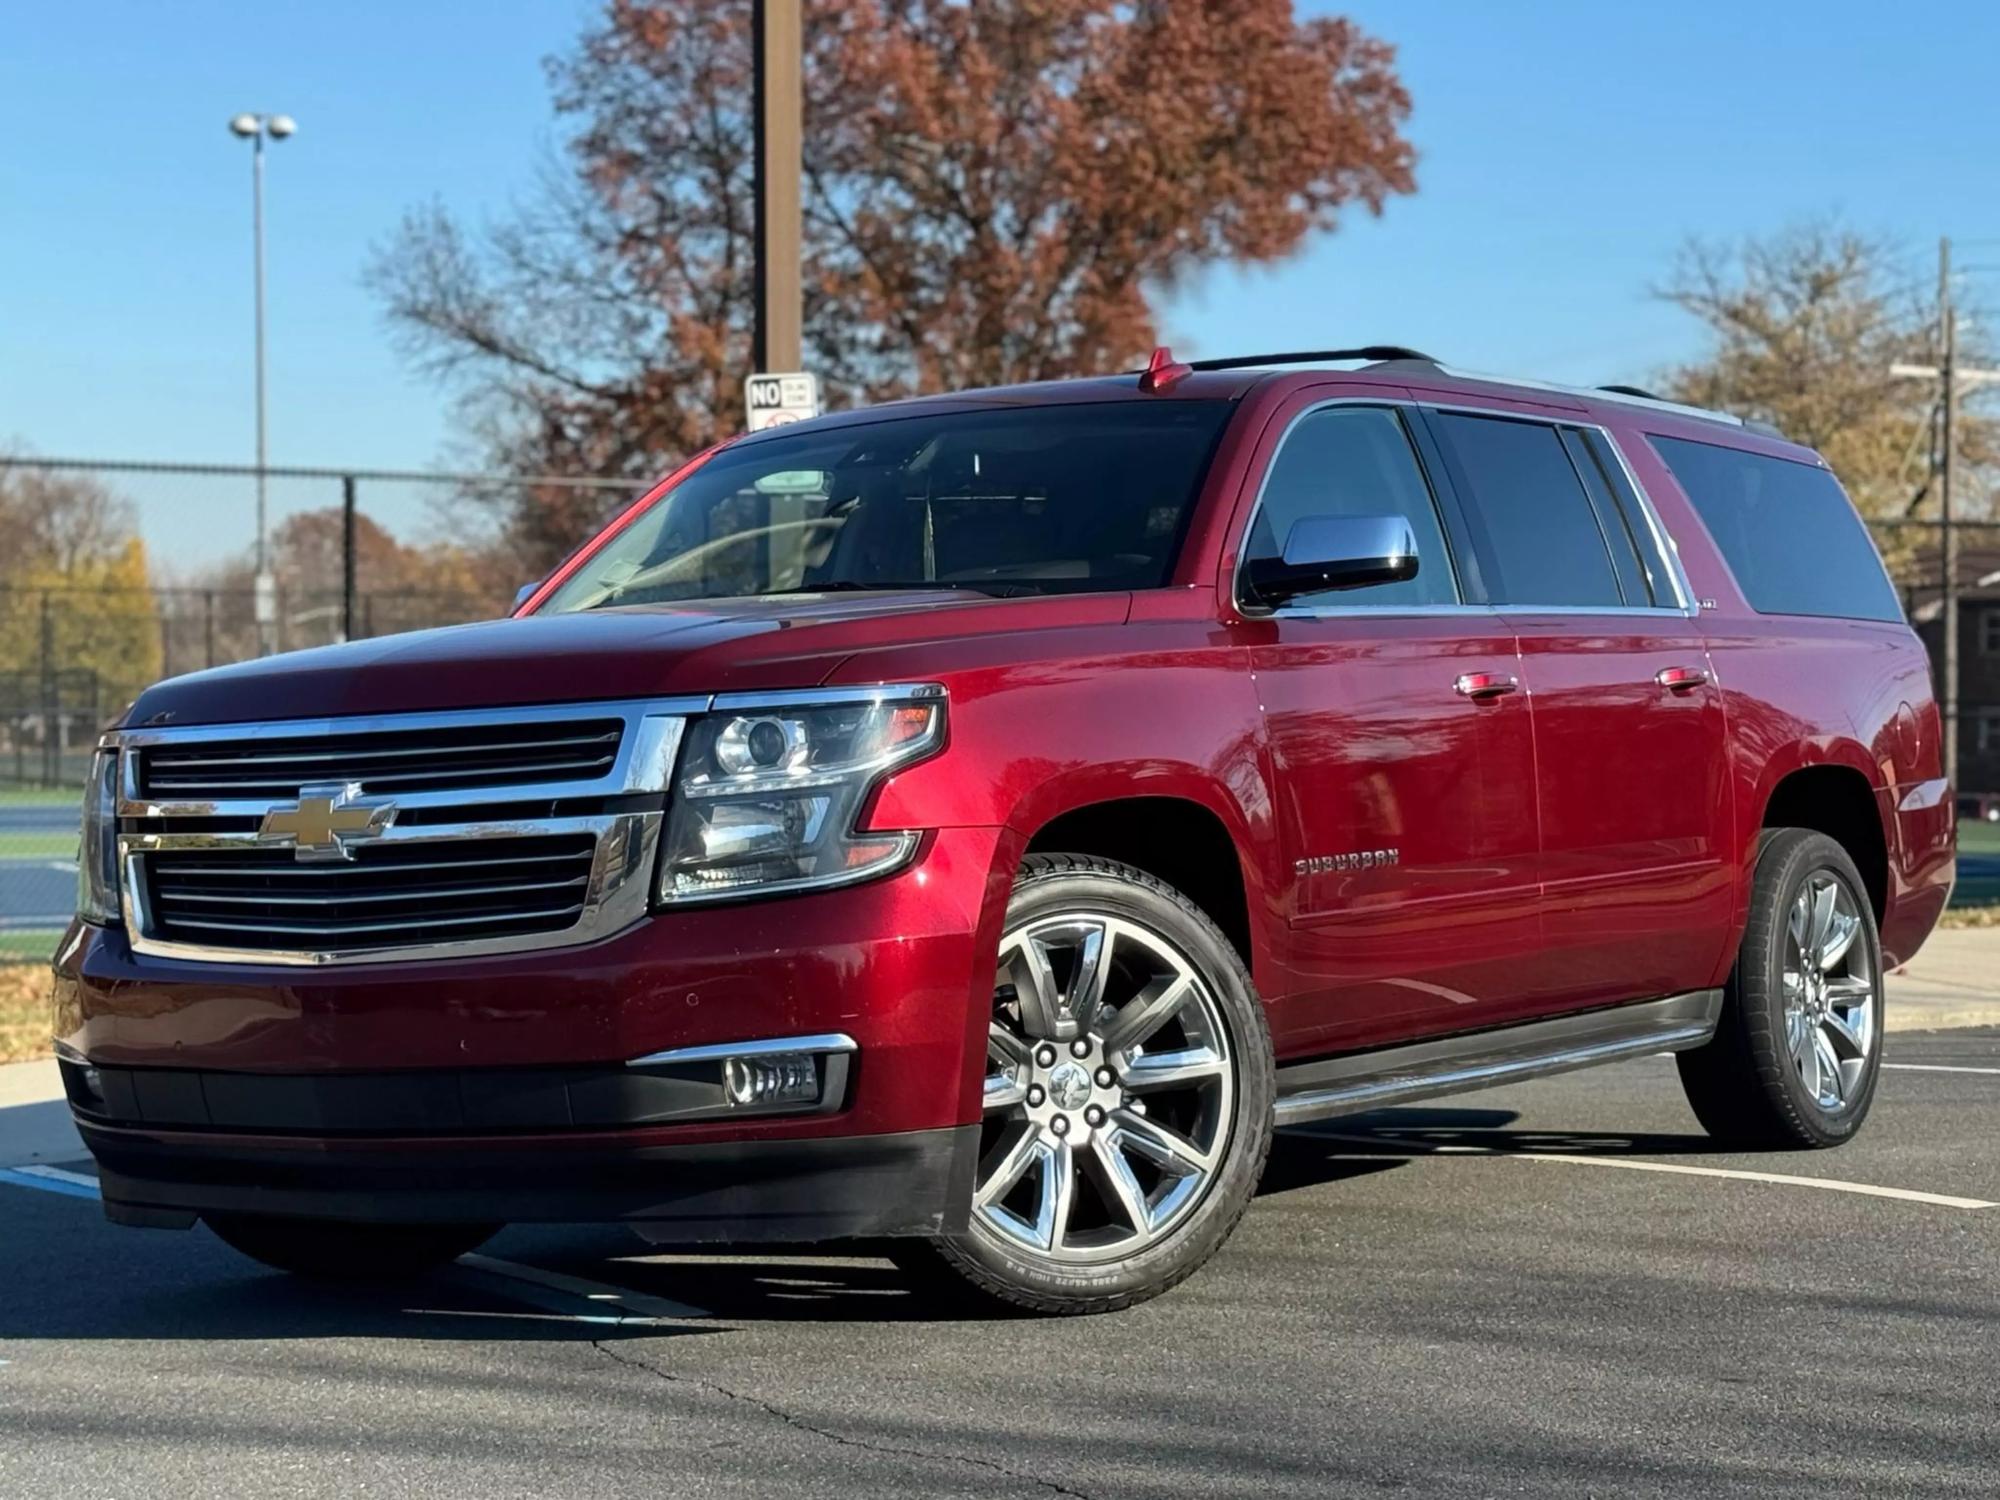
{"points": [[777, 37], [1947, 527]]}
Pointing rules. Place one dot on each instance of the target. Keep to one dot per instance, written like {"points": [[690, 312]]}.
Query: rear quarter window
{"points": [[1786, 530]]}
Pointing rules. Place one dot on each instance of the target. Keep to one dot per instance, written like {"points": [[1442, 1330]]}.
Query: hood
{"points": [[720, 645]]}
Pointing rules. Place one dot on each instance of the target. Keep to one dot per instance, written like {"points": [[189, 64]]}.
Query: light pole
{"points": [[254, 128]]}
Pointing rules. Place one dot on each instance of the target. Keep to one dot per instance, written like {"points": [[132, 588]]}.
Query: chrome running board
{"points": [[1482, 1059]]}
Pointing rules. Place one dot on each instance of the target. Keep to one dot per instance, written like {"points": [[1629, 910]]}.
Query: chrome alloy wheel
{"points": [[1108, 1093], [1830, 995]]}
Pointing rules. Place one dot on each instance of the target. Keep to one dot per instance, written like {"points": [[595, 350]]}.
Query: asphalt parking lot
{"points": [[1556, 1288]]}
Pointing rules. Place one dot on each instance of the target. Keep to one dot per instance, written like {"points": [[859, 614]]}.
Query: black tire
{"points": [[976, 1259], [1745, 1086], [332, 1250]]}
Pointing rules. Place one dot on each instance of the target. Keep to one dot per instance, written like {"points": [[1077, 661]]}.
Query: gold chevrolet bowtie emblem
{"points": [[325, 819]]}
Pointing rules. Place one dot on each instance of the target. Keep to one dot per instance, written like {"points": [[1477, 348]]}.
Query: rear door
{"points": [[1405, 803], [1629, 735]]}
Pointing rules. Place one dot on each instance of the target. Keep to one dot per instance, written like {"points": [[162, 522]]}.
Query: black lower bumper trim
{"points": [[474, 1101], [795, 1191]]}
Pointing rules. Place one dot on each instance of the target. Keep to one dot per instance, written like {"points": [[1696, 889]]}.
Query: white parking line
{"points": [[1937, 1068], [1823, 1184], [550, 1291], [61, 1174], [34, 1177]]}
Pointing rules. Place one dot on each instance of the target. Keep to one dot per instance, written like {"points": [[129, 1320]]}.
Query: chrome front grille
{"points": [[398, 837], [387, 896], [459, 757]]}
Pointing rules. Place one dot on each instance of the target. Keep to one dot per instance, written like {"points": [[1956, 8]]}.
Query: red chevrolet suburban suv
{"points": [[975, 823]]}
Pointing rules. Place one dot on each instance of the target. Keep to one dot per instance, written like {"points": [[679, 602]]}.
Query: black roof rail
{"points": [[1633, 390], [1376, 352]]}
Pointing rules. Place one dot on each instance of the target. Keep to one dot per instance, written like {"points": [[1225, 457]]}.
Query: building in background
{"points": [[1978, 652]]}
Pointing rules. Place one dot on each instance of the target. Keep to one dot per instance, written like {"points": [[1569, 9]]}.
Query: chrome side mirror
{"points": [[1334, 552]]}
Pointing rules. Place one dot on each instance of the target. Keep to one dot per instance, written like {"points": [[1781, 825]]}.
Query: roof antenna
{"points": [[1162, 370]]}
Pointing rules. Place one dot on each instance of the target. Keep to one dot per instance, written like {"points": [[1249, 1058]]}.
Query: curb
{"points": [[1943, 1017]]}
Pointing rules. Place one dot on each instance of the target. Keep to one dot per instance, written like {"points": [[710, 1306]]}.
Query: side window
{"points": [[1786, 530], [1617, 523], [1355, 461], [1645, 540], [1535, 518]]}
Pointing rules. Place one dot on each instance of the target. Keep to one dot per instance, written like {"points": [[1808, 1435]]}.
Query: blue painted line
{"points": [[47, 1184]]}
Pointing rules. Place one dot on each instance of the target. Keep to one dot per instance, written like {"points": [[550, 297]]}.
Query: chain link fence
{"points": [[80, 642]]}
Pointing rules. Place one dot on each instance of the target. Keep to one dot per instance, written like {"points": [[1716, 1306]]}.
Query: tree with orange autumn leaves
{"points": [[992, 192]]}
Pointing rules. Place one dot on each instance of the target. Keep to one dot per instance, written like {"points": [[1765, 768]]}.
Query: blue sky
{"points": [[1567, 149]]}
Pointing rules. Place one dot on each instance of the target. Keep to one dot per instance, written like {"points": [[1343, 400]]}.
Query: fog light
{"points": [[83, 1084], [775, 1078]]}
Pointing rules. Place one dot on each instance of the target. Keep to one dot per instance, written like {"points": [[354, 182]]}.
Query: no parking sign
{"points": [[771, 400]]}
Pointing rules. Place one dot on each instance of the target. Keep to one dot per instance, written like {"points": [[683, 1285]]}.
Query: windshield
{"points": [[1039, 499]]}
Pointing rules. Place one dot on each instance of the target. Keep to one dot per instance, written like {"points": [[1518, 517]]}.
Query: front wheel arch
{"points": [[1180, 842]]}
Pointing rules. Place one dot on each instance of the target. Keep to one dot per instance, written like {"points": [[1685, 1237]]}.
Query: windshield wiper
{"points": [[995, 588]]}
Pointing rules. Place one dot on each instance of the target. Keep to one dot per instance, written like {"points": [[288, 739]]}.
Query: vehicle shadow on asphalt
{"points": [[262, 1307], [1401, 1134]]}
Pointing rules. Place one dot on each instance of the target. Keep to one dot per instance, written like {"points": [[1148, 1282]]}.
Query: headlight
{"points": [[97, 856], [767, 800]]}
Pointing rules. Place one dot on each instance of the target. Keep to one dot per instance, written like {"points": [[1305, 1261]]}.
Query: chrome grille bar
{"points": [[276, 872], [346, 929], [409, 893], [485, 778], [318, 757], [441, 760]]}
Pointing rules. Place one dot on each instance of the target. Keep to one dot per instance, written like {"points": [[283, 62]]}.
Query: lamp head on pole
{"points": [[250, 127]]}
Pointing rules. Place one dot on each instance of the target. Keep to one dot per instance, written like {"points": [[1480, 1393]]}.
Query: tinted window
{"points": [[1790, 537], [1031, 499], [1613, 522], [1355, 461], [1645, 539], [1538, 527]]}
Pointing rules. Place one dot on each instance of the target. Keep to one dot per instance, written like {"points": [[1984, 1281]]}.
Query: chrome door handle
{"points": [[1482, 685], [1680, 679]]}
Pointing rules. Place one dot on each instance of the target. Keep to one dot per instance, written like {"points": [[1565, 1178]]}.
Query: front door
{"points": [[1402, 760]]}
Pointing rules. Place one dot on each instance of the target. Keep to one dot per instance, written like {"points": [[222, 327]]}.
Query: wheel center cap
{"points": [[1069, 1086]]}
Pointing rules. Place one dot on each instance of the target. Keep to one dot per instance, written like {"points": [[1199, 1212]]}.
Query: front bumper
{"points": [[791, 1191]]}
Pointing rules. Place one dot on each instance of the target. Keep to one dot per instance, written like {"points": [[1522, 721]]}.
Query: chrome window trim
{"points": [[1662, 538], [828, 1041], [1641, 611], [1370, 611], [624, 862]]}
